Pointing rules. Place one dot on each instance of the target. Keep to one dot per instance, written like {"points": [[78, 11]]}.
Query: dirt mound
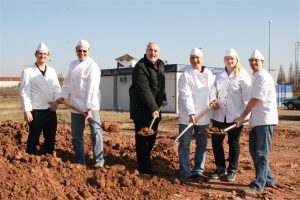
{"points": [[113, 127], [23, 176]]}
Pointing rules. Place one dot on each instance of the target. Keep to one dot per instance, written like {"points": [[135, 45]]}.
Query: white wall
{"points": [[9, 83], [124, 83], [171, 86], [107, 92]]}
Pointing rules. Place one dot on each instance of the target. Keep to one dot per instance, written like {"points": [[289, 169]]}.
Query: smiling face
{"points": [[256, 64], [41, 56], [196, 61], [152, 52], [230, 62], [82, 52]]}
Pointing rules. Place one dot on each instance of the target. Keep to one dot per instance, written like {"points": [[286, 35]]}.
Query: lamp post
{"points": [[270, 21], [297, 44]]}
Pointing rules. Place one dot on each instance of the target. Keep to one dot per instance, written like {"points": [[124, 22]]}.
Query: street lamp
{"points": [[270, 21], [297, 44]]}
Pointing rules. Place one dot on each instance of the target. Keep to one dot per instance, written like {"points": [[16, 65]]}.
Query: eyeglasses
{"points": [[80, 51], [253, 60]]}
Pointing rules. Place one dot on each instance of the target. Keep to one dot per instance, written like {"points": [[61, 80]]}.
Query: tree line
{"points": [[292, 78]]}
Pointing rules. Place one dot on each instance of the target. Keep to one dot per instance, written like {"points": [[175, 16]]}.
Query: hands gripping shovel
{"points": [[199, 116], [81, 112], [146, 131]]}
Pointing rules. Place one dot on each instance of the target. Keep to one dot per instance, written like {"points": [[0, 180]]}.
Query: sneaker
{"points": [[218, 174], [199, 177], [231, 176], [252, 192], [98, 165]]}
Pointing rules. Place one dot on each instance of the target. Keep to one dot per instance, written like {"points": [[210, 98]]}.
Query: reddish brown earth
{"points": [[23, 176]]}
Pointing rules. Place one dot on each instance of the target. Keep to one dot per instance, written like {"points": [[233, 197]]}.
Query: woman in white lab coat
{"points": [[233, 87], [39, 88], [195, 95], [82, 85]]}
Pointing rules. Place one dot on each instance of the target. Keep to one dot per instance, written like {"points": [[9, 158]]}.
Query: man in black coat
{"points": [[147, 95]]}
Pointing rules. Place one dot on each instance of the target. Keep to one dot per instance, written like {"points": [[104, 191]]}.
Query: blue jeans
{"points": [[184, 149], [77, 125], [259, 146]]}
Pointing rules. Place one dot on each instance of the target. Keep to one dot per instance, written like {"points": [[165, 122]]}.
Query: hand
{"points": [[28, 117], [215, 105], [60, 100], [53, 106], [155, 114], [239, 121], [89, 115], [164, 103], [192, 119]]}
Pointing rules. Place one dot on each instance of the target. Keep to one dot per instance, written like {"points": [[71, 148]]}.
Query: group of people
{"points": [[232, 96], [41, 93]]}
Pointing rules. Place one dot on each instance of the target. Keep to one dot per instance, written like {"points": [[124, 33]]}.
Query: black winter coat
{"points": [[147, 90]]}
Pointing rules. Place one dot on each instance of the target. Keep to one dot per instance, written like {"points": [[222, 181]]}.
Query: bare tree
{"points": [[291, 75], [281, 76]]}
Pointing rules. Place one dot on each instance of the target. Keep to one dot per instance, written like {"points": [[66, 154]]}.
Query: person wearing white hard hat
{"points": [[263, 119], [82, 85], [195, 96], [233, 88], [39, 88]]}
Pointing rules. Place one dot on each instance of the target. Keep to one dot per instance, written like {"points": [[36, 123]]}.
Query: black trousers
{"points": [[144, 146], [234, 146], [43, 121]]}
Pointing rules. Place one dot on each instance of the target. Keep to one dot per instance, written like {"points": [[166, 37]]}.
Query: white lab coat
{"points": [[195, 94], [263, 88], [233, 95], [82, 85], [37, 90]]}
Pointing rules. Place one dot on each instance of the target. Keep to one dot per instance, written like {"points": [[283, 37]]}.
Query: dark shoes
{"points": [[218, 174], [231, 176], [199, 177], [252, 192], [151, 172]]}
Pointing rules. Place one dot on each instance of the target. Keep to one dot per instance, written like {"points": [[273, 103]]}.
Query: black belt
{"points": [[41, 110]]}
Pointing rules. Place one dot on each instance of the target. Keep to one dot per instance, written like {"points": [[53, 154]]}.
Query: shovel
{"points": [[225, 130], [83, 113], [154, 118], [199, 116]]}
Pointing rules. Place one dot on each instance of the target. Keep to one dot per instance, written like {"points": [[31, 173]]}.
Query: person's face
{"points": [[230, 62], [82, 53], [41, 56], [152, 52], [256, 64], [196, 61]]}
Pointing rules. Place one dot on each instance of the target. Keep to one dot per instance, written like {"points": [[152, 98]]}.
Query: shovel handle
{"points": [[234, 125], [179, 136], [79, 111], [199, 116], [154, 118]]}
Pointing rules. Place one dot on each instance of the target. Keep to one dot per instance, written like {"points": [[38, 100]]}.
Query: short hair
{"points": [[150, 43]]}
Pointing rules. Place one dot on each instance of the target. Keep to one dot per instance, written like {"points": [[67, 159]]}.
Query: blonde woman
{"points": [[233, 87]]}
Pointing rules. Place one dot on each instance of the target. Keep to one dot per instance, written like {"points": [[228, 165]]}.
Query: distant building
{"points": [[115, 84], [9, 81], [126, 61]]}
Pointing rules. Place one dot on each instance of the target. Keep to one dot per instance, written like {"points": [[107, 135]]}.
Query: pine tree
{"points": [[281, 76]]}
